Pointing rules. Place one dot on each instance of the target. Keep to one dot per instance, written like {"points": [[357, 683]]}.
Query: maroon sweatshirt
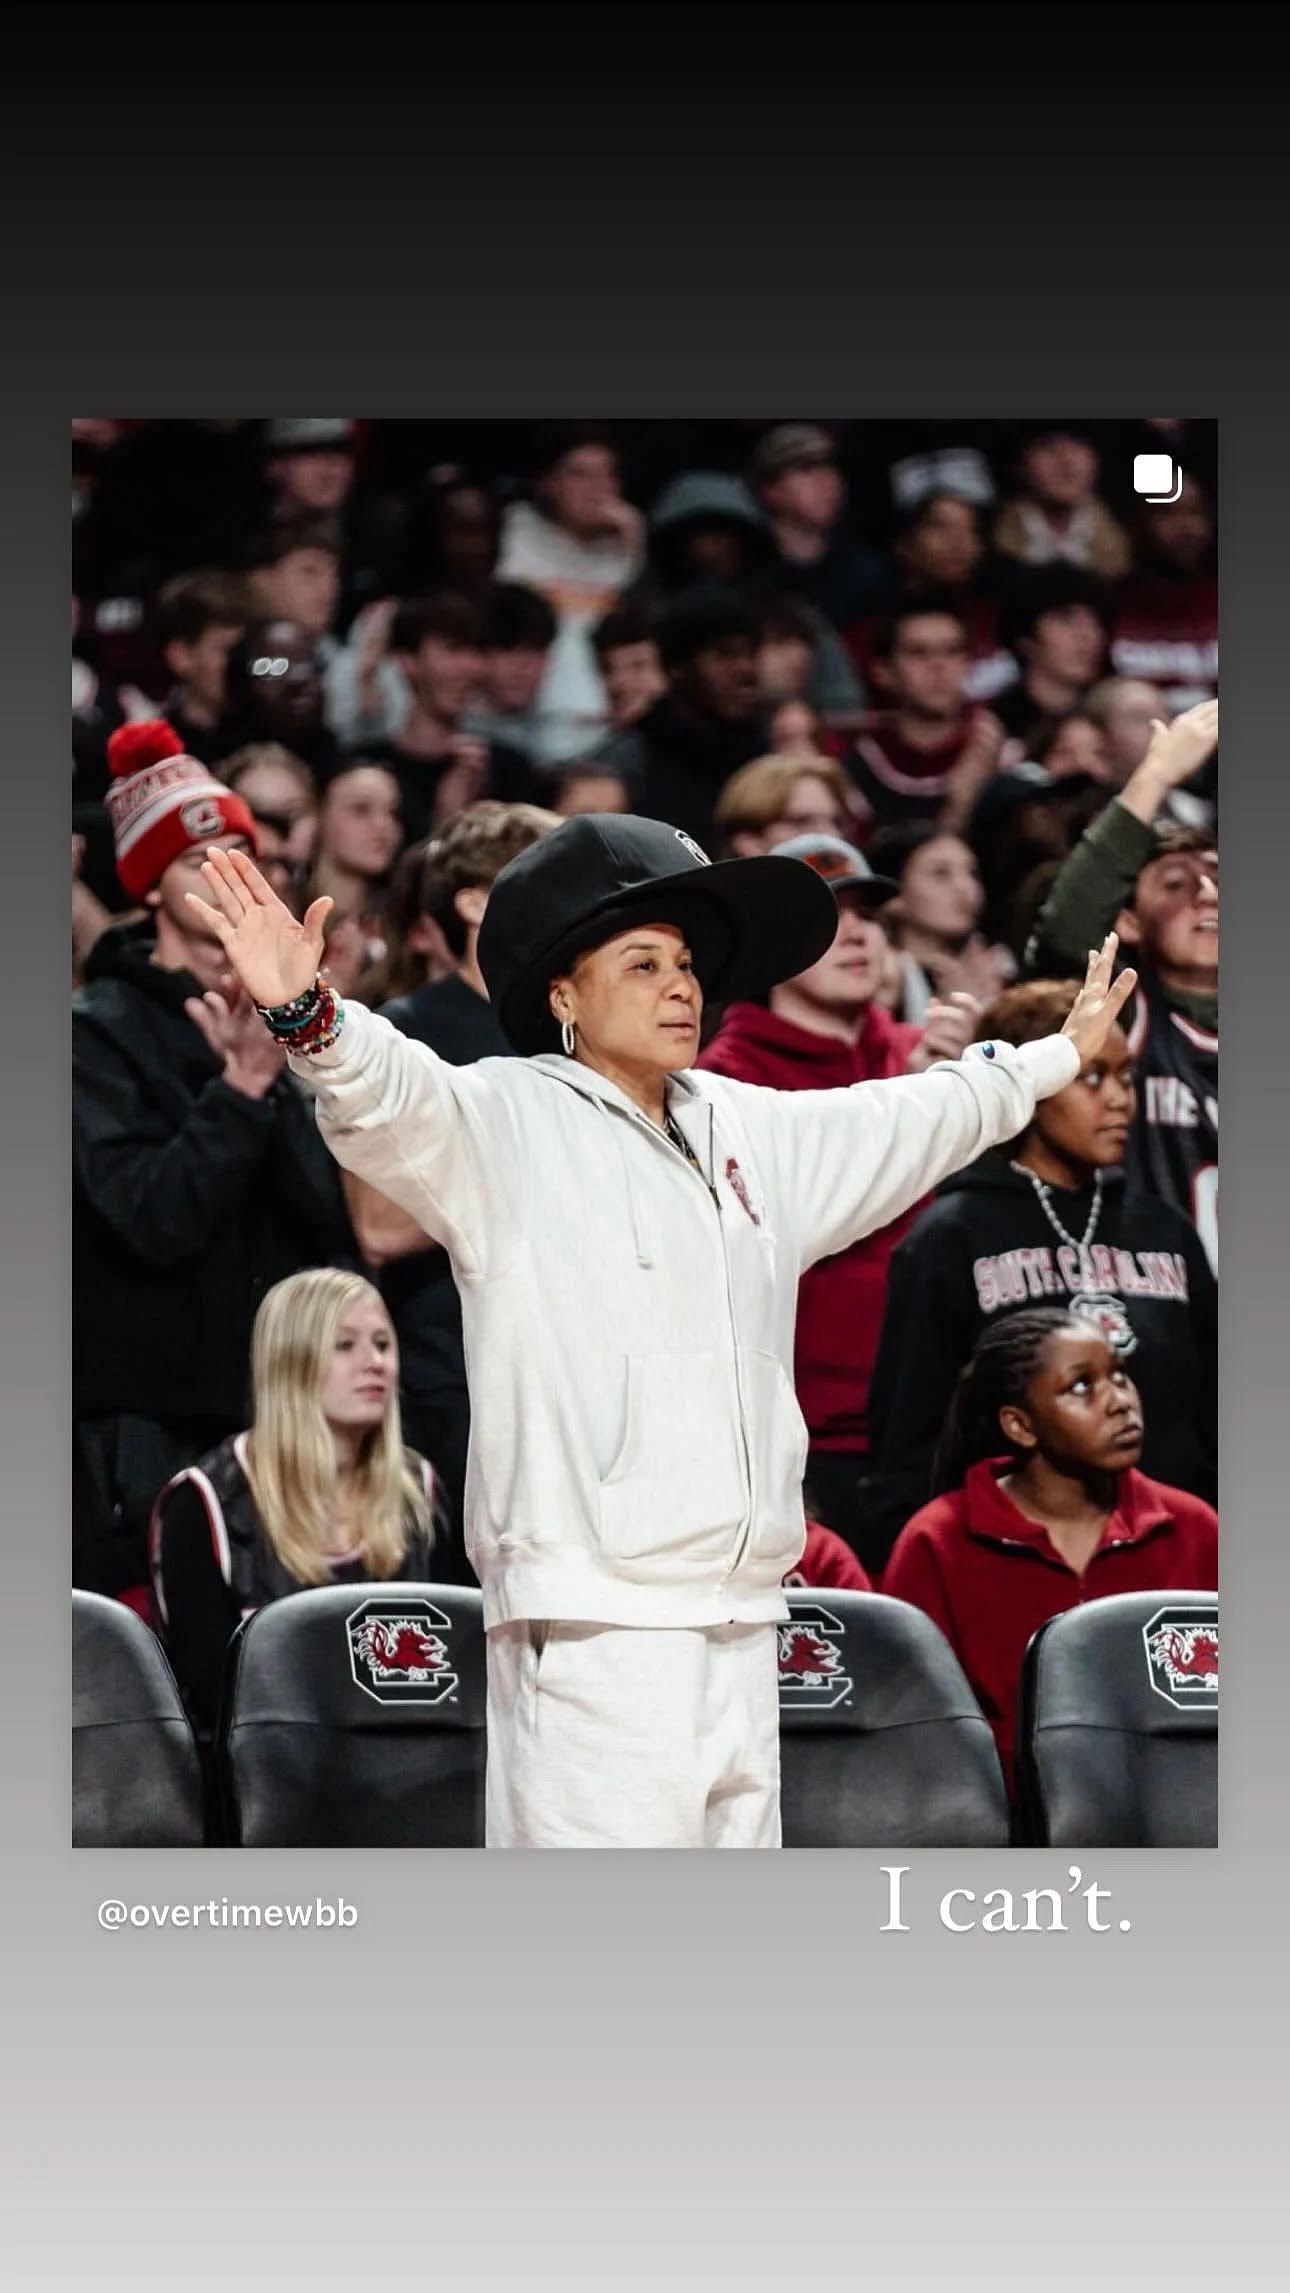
{"points": [[826, 1560], [840, 1302], [989, 1576], [1167, 631]]}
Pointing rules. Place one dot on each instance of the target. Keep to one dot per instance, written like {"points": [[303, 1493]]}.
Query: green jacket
{"points": [[1096, 882]]}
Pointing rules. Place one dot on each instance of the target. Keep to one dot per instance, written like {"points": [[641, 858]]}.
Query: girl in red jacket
{"points": [[1043, 1507]]}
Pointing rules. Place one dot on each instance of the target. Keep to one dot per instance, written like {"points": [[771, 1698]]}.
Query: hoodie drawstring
{"points": [[643, 1255]]}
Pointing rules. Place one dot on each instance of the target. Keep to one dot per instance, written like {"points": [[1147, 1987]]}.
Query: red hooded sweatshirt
{"points": [[826, 1560], [840, 1302], [989, 1576]]}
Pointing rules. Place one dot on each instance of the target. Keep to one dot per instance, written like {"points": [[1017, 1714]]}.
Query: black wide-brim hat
{"points": [[749, 923]]}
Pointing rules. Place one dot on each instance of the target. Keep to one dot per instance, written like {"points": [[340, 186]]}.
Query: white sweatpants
{"points": [[601, 1735]]}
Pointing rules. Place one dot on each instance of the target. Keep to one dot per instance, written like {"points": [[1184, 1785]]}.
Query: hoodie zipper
{"points": [[710, 1190], [746, 1532]]}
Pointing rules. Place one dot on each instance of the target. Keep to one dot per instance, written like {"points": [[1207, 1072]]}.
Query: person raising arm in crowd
{"points": [[628, 1236], [455, 874], [1157, 882]]}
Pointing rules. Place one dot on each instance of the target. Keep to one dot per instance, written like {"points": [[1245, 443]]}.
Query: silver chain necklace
{"points": [[672, 1130], [676, 1137], [1044, 1199]]}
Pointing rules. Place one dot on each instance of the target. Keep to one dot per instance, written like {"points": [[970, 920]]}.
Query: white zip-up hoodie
{"points": [[636, 1448]]}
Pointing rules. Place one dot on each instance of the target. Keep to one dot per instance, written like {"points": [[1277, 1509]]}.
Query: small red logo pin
{"points": [[736, 1182]]}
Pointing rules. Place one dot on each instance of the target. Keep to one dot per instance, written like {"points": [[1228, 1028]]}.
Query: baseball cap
{"points": [[316, 437], [791, 446], [842, 867]]}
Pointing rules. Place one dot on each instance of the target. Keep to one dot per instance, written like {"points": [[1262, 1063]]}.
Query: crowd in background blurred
{"points": [[927, 654]]}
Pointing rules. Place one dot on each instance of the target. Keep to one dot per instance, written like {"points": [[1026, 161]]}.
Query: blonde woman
{"points": [[778, 797], [319, 1490]]}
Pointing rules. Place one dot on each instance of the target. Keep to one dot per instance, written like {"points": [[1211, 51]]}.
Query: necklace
{"points": [[672, 1131], [1102, 1307], [1044, 1199]]}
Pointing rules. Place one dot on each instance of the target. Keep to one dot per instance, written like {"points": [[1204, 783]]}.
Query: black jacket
{"points": [[211, 1564], [678, 767], [172, 495], [510, 779], [452, 1019], [419, 1291], [984, 1248], [189, 1199]]}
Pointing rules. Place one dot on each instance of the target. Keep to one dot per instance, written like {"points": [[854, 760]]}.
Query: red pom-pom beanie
{"points": [[162, 802]]}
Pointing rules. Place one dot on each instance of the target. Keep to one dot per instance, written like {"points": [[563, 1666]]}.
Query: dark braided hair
{"points": [[1003, 1362]]}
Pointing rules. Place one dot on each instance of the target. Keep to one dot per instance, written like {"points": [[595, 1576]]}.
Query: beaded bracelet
{"points": [[310, 1022]]}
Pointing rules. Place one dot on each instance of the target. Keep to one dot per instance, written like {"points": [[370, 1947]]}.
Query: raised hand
{"points": [[1179, 749], [1100, 1001], [275, 957]]}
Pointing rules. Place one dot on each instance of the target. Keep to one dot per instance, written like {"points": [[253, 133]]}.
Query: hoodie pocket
{"points": [[778, 1440], [676, 1489]]}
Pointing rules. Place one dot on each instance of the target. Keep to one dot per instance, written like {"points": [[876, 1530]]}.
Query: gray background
{"points": [[620, 2071]]}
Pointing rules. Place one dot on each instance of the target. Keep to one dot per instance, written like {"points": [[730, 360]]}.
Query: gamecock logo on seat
{"points": [[398, 1653], [1182, 1657], [810, 1660]]}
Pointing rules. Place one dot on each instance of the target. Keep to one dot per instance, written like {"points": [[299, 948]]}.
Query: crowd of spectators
{"points": [[387, 655]]}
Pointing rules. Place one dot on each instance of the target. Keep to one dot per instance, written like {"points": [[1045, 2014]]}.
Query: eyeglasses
{"points": [[281, 665], [812, 823]]}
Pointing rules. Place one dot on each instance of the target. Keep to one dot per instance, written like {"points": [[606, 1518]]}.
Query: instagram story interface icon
{"points": [[1157, 477]]}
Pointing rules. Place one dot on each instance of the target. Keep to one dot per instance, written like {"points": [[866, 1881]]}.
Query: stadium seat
{"points": [[882, 1743], [1117, 1740], [136, 1774], [354, 1717]]}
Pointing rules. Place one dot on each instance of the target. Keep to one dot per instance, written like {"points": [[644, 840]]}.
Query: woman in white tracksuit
{"points": [[627, 1236]]}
